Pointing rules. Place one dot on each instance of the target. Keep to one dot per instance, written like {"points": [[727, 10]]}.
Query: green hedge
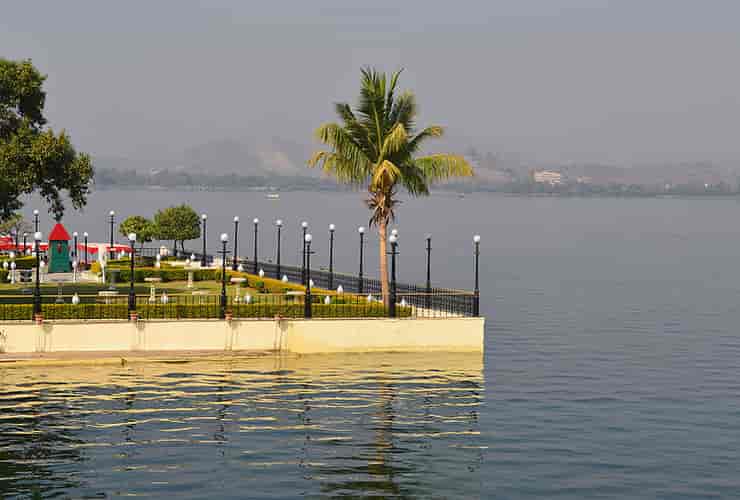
{"points": [[65, 311], [25, 262], [10, 312]]}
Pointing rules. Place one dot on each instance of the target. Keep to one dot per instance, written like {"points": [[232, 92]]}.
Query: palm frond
{"points": [[342, 143], [395, 141], [430, 132], [404, 111], [346, 172], [439, 167], [385, 176]]}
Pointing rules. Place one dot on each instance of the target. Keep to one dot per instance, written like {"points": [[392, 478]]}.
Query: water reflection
{"points": [[382, 425]]}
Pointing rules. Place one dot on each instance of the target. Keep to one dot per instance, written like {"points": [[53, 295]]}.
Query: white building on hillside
{"points": [[547, 177]]}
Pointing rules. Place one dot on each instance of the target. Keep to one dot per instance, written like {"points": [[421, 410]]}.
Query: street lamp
{"points": [[360, 280], [85, 235], [429, 270], [25, 243], [392, 302], [476, 298], [74, 245], [131, 293], [35, 220], [304, 226], [235, 264], [256, 222], [279, 225], [307, 260], [224, 241], [37, 289], [203, 217], [331, 256], [111, 250]]}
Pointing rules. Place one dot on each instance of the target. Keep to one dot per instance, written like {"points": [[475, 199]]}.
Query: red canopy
{"points": [[59, 233]]}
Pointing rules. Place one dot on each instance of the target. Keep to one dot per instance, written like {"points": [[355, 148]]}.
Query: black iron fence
{"points": [[111, 306], [444, 299]]}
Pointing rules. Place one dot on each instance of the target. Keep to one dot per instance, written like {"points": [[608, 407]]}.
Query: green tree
{"points": [[377, 146], [15, 223], [144, 228], [32, 156], [179, 223]]}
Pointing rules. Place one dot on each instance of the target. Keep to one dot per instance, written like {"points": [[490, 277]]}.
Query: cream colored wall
{"points": [[296, 336]]}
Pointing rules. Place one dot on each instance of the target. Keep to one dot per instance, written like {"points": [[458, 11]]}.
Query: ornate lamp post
{"points": [[476, 298], [111, 250], [131, 292], [256, 222], [307, 260], [85, 235], [74, 245], [235, 264], [331, 256], [37, 289], [429, 270], [279, 225], [203, 261], [360, 280], [35, 220], [394, 251], [25, 243], [304, 227], [224, 241]]}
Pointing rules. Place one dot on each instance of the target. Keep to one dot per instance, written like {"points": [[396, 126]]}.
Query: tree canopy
{"points": [[32, 156], [377, 145], [144, 228], [178, 223]]}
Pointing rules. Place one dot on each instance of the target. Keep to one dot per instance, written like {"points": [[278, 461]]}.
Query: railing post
{"points": [[307, 260], [360, 279], [279, 224], [131, 291], [304, 226], [37, 289], [222, 309], [256, 225], [111, 250], [476, 293], [331, 257], [392, 301], [203, 261], [428, 301], [235, 263]]}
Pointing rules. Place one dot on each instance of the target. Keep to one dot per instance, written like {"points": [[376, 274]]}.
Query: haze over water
{"points": [[610, 369]]}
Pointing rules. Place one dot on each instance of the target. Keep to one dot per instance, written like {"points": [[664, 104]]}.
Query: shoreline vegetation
{"points": [[113, 179]]}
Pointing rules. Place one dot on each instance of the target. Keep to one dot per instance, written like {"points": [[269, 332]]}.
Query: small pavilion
{"points": [[59, 250]]}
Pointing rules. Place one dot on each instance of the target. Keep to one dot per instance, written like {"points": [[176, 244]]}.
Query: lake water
{"points": [[611, 369]]}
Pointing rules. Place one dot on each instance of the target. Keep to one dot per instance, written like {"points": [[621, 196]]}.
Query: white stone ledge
{"points": [[299, 336]]}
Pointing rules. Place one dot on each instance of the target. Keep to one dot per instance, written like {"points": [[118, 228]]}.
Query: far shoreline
{"points": [[438, 192]]}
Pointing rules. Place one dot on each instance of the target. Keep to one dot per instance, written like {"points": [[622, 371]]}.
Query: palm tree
{"points": [[376, 146]]}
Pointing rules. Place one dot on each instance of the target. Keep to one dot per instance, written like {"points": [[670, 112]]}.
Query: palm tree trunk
{"points": [[385, 289]]}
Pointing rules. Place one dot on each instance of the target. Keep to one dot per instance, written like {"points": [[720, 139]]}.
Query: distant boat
{"points": [[273, 196]]}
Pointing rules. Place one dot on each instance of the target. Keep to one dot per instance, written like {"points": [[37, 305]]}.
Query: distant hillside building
{"points": [[547, 177]]}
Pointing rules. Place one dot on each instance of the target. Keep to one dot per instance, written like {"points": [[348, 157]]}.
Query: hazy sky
{"points": [[623, 81]]}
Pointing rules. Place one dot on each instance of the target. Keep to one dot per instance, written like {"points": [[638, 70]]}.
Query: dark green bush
{"points": [[25, 262]]}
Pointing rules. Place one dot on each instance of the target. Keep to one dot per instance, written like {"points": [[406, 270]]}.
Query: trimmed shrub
{"points": [[25, 262]]}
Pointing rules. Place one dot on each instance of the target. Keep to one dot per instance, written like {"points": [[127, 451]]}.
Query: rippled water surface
{"points": [[611, 370], [275, 427]]}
